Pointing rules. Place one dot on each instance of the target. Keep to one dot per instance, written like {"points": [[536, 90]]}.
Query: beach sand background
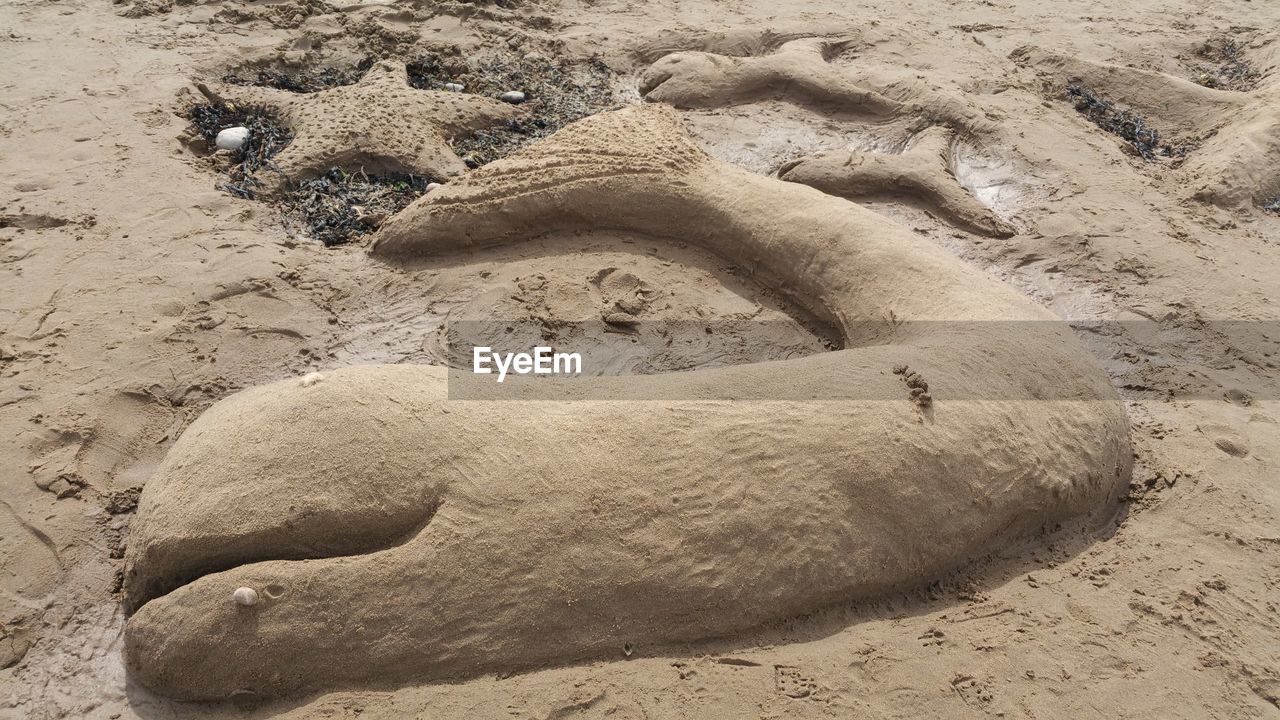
{"points": [[136, 294]]}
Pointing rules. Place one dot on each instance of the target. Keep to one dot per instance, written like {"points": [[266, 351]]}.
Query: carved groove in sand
{"points": [[452, 538]]}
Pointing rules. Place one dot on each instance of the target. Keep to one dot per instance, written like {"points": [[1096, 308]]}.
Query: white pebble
{"points": [[245, 596], [433, 186], [233, 138], [515, 97], [454, 87], [311, 379]]}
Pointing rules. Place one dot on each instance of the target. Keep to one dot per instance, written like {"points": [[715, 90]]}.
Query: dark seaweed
{"points": [[338, 207], [267, 137], [305, 81], [556, 95], [1128, 125], [431, 72], [334, 208], [1230, 70]]}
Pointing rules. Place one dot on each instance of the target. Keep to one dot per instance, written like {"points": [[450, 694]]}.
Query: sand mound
{"points": [[1237, 133], [394, 535]]}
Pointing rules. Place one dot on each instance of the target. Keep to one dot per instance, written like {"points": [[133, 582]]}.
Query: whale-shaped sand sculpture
{"points": [[393, 535]]}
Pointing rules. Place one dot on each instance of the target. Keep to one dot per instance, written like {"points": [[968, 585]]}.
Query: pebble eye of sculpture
{"points": [[361, 529]]}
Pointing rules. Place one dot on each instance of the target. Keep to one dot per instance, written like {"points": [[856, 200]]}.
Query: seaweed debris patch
{"points": [[267, 137], [553, 94], [335, 207], [302, 81], [1227, 67], [338, 207], [434, 72], [1134, 129]]}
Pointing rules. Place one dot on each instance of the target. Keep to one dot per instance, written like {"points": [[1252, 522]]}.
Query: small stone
{"points": [[245, 596], [233, 138], [308, 380], [433, 186], [620, 319], [515, 97], [454, 87]]}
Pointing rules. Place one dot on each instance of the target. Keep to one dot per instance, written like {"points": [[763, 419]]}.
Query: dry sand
{"points": [[137, 295]]}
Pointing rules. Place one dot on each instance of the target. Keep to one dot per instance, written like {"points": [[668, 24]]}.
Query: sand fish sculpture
{"points": [[394, 535]]}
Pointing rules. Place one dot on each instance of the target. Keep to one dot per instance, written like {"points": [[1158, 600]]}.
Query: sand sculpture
{"points": [[1237, 134], [920, 172], [380, 124], [797, 71], [393, 535], [800, 72]]}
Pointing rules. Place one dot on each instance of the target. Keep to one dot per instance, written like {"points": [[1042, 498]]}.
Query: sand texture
{"points": [[378, 125], [932, 368], [676, 519]]}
